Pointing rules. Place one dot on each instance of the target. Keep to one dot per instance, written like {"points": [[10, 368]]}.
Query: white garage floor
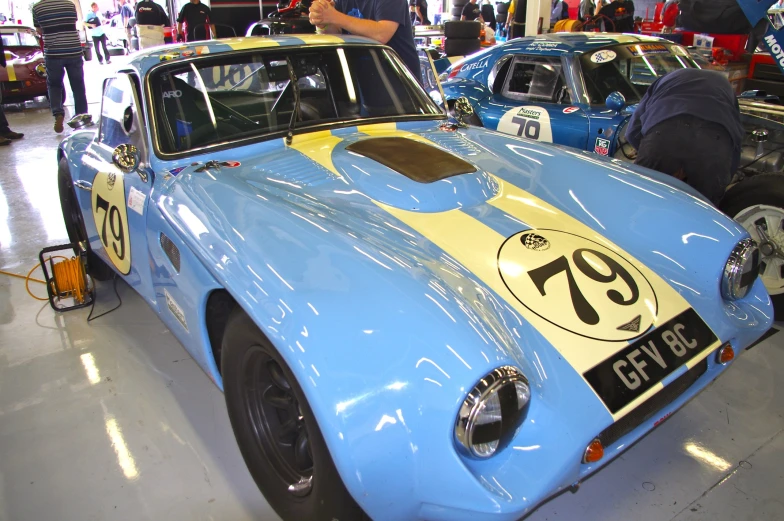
{"points": [[112, 420]]}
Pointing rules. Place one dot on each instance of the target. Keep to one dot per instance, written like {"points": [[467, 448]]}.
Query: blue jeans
{"points": [[55, 72]]}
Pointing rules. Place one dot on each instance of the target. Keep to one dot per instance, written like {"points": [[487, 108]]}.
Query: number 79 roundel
{"points": [[111, 219]]}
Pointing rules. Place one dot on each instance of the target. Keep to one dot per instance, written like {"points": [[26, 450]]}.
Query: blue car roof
{"points": [[144, 60], [560, 43]]}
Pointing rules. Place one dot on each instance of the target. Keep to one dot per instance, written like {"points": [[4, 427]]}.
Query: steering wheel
{"points": [[204, 132]]}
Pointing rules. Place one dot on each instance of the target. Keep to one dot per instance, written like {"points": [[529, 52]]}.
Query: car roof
{"points": [[144, 60], [15, 28], [560, 43]]}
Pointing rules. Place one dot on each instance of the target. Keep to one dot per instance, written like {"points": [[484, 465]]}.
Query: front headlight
{"points": [[492, 411], [741, 270], [41, 70]]}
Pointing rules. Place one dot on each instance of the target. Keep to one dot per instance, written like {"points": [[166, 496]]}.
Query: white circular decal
{"points": [[529, 122], [577, 284], [603, 56]]}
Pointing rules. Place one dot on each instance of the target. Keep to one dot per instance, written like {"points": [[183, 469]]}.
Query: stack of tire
{"points": [[457, 8], [461, 37]]}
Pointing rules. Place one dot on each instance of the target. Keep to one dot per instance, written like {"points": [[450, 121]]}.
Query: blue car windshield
{"points": [[233, 97], [629, 69]]}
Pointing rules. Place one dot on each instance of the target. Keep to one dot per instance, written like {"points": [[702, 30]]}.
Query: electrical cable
{"points": [[90, 316]]}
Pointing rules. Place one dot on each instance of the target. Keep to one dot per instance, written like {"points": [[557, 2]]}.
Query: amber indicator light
{"points": [[593, 452], [725, 354]]}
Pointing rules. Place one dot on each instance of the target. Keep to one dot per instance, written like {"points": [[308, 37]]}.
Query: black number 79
{"points": [[112, 214], [582, 307]]}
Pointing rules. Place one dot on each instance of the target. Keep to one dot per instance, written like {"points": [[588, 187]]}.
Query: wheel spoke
{"points": [[276, 398], [278, 378], [286, 432], [302, 451]]}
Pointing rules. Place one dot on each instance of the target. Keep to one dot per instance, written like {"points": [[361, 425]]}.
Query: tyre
{"points": [[74, 222], [276, 431], [462, 29], [459, 3], [456, 12], [88, 53], [461, 47], [757, 203]]}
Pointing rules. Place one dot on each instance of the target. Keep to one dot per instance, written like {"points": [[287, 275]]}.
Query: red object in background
{"points": [[657, 11], [651, 27], [734, 43], [574, 9], [721, 56], [760, 58], [671, 15]]}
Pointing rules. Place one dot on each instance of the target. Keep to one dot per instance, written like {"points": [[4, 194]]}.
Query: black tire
{"points": [[461, 47], [74, 222], [88, 53], [262, 396], [457, 12], [459, 3], [743, 202], [462, 29]]}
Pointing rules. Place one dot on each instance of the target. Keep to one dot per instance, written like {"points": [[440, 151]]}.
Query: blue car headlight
{"points": [[492, 412], [741, 270]]}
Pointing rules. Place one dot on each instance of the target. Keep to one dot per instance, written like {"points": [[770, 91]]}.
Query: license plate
{"points": [[644, 363]]}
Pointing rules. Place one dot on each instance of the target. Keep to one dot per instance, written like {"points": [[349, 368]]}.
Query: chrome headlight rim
{"points": [[735, 283], [473, 406], [40, 69]]}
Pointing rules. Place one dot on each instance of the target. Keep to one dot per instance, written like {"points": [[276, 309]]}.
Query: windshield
{"points": [[630, 69], [247, 95], [19, 39]]}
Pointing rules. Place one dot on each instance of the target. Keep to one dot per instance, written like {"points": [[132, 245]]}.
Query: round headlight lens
{"points": [[41, 70], [492, 412], [741, 270]]}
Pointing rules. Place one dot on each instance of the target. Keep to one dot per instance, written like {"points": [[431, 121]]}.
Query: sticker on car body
{"points": [[175, 309], [111, 218], [603, 56], [570, 110], [602, 146], [136, 200], [647, 48], [531, 122]]}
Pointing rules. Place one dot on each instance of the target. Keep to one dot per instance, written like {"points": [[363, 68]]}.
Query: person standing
{"points": [[150, 21], [194, 14], [471, 12], [56, 21], [126, 14], [6, 134], [419, 12], [93, 21], [688, 125], [386, 21]]}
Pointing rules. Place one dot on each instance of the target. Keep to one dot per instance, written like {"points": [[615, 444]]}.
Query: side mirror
{"points": [[126, 158], [615, 101], [463, 108]]}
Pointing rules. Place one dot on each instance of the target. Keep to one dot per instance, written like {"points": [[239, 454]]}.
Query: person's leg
{"points": [[75, 68], [105, 49], [97, 47], [708, 168], [55, 72]]}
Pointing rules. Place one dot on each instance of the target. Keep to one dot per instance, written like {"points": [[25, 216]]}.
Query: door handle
{"points": [[84, 185]]}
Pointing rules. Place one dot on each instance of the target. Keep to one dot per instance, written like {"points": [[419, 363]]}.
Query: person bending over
{"points": [[688, 125]]}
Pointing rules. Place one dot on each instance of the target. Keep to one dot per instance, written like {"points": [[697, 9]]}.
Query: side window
{"points": [[118, 113], [535, 79]]}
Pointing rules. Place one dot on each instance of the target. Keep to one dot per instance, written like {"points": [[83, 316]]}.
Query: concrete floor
{"points": [[113, 420]]}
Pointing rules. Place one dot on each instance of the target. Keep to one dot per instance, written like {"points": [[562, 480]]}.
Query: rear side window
{"points": [[531, 78]]}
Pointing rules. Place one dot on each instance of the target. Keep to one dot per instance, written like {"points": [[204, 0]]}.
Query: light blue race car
{"points": [[411, 319]]}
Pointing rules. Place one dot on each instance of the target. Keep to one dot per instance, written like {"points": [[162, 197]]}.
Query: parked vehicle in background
{"points": [[116, 37], [24, 76]]}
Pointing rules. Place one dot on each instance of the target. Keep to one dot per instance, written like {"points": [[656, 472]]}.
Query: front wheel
{"points": [[276, 431], [757, 203]]}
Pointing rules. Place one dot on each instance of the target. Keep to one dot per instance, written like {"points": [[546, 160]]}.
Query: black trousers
{"points": [[699, 152], [99, 41]]}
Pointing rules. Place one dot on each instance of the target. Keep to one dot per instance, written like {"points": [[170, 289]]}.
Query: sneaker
{"points": [[108, 61], [4, 141], [58, 123], [101, 62], [10, 134]]}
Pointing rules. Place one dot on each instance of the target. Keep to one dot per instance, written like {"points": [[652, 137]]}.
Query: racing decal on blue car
{"points": [[530, 122], [602, 146], [111, 218], [605, 293], [603, 56]]}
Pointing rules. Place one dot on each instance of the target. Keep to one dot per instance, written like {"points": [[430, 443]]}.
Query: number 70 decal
{"points": [[529, 122], [577, 284], [111, 219]]}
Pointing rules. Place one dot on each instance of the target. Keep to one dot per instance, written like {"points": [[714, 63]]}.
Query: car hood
{"points": [[457, 233]]}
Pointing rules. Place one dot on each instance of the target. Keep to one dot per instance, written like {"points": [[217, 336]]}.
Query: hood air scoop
{"points": [[417, 161]]}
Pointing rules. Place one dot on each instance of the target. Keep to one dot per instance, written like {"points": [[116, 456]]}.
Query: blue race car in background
{"points": [[410, 319], [580, 89], [574, 89]]}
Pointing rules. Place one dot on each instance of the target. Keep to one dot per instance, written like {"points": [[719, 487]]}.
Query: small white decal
{"points": [[603, 56], [136, 201], [175, 309]]}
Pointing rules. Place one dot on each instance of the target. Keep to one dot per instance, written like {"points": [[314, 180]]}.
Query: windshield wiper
{"points": [[295, 90]]}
